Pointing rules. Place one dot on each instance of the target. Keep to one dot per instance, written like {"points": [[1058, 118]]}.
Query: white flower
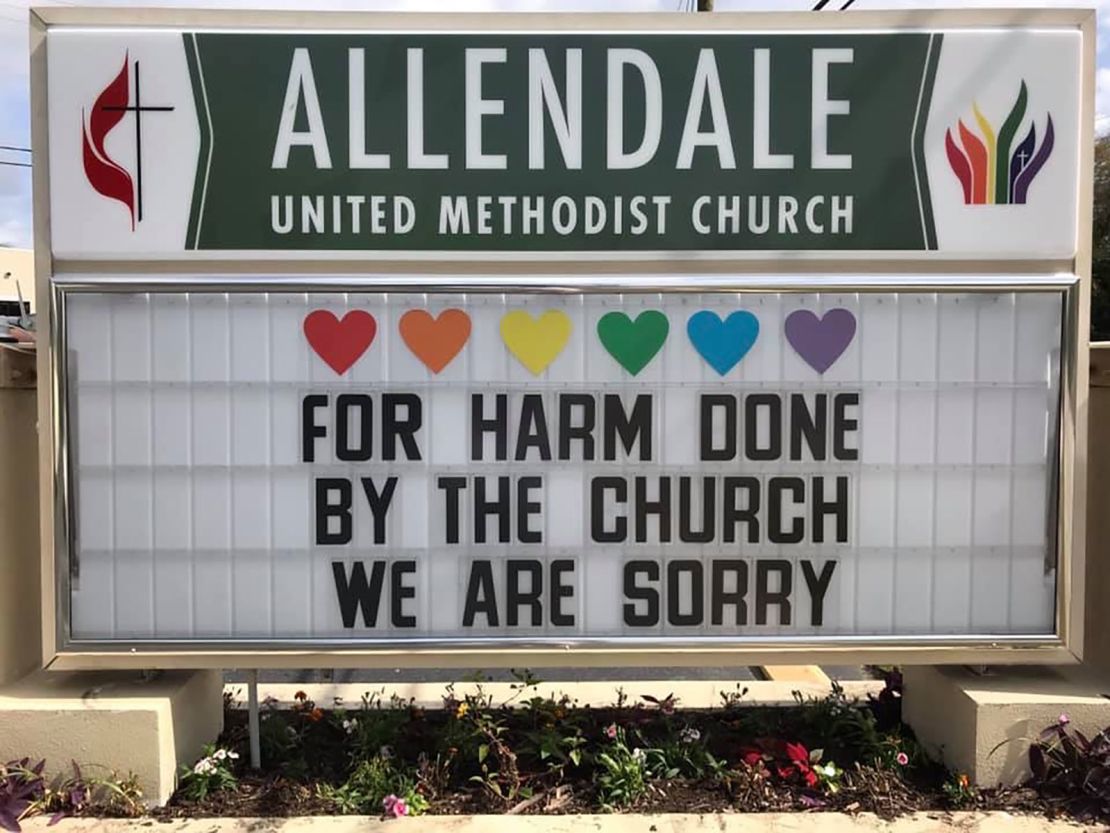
{"points": [[233, 756], [385, 753], [219, 754], [637, 754], [350, 726], [689, 735], [205, 766]]}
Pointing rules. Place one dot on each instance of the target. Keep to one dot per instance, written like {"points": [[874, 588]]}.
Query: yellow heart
{"points": [[536, 342]]}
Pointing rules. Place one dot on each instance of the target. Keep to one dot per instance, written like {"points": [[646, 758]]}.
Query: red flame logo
{"points": [[105, 175]]}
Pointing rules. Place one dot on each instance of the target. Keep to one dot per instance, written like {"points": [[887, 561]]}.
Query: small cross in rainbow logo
{"points": [[990, 168]]}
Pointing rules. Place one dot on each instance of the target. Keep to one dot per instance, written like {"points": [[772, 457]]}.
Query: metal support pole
{"points": [[252, 719]]}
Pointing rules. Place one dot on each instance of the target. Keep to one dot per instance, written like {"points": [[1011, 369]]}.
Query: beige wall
{"points": [[19, 534], [21, 264]]}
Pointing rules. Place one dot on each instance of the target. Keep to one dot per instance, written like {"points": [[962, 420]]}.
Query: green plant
{"points": [[829, 776], [370, 783], [897, 752], [210, 774], [413, 804], [462, 735], [683, 750], [959, 790], [111, 794], [622, 774], [502, 779], [375, 726], [733, 699], [553, 736], [840, 726], [25, 792]]}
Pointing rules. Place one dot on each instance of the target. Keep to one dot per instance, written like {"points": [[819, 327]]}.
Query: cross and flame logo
{"points": [[105, 174], [990, 168]]}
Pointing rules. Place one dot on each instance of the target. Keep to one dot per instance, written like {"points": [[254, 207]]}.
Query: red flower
{"points": [[752, 757], [797, 753]]}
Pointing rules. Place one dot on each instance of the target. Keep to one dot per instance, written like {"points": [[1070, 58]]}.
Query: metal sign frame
{"points": [[704, 272]]}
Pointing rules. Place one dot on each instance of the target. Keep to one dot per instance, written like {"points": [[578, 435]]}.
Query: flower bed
{"points": [[537, 755]]}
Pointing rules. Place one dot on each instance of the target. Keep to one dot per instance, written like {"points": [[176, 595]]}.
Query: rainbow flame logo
{"points": [[990, 173]]}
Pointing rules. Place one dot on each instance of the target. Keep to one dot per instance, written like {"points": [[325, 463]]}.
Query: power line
{"points": [[15, 164], [13, 147]]}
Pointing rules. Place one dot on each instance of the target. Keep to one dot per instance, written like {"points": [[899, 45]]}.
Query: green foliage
{"points": [[375, 726], [1100, 266], [370, 783], [682, 750], [110, 794], [959, 791], [210, 774], [25, 792], [554, 737], [622, 773], [497, 762], [840, 727], [829, 776]]}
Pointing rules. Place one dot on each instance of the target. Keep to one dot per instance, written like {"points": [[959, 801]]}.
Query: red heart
{"points": [[340, 343]]}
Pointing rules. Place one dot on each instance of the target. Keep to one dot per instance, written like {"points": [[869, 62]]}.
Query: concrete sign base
{"points": [[982, 724], [115, 721]]}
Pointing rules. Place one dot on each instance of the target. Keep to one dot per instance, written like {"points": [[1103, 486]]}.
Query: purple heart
{"points": [[820, 341]]}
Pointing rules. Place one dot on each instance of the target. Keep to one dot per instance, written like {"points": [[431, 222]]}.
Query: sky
{"points": [[15, 182]]}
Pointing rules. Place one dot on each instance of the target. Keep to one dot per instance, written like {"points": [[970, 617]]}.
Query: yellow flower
{"points": [[462, 709]]}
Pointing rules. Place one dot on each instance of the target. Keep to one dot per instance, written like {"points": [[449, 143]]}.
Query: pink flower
{"points": [[902, 758], [394, 806], [611, 731], [1064, 720]]}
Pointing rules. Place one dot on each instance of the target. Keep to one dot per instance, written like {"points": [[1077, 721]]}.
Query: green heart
{"points": [[633, 343]]}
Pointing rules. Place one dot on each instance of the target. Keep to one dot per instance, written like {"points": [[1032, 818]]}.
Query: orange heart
{"points": [[435, 341]]}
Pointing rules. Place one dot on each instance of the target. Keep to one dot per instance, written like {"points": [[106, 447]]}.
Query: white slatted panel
{"points": [[196, 511]]}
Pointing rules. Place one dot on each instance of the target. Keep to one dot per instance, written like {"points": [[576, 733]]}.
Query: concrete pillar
{"points": [[113, 721], [1096, 635], [105, 721], [982, 725]]}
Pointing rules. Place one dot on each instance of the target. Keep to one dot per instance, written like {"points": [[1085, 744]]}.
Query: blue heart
{"points": [[722, 343]]}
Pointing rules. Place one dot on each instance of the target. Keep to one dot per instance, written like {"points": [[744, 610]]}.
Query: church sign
{"points": [[562, 339]]}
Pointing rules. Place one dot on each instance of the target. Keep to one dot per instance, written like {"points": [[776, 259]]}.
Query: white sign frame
{"points": [[704, 271]]}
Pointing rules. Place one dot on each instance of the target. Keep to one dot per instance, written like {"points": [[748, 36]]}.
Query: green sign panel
{"points": [[534, 143]]}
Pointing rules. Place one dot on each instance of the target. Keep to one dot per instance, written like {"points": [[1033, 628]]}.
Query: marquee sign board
{"points": [[431, 435]]}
